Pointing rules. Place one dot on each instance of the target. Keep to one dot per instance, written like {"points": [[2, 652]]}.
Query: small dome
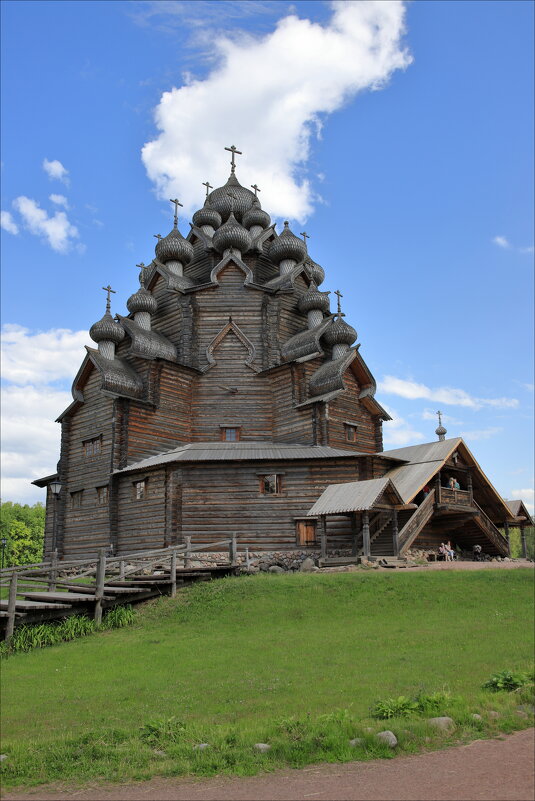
{"points": [[287, 246], [142, 300], [256, 216], [174, 247], [219, 199], [440, 431], [106, 329], [340, 332], [316, 272], [313, 299], [207, 216], [232, 235]]}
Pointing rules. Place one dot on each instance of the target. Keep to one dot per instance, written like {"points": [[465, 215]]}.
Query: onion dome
{"points": [[313, 299], [340, 332], [316, 272], [142, 301], [440, 431], [244, 199], [256, 216], [207, 216], [232, 235], [106, 329], [287, 246], [174, 247]]}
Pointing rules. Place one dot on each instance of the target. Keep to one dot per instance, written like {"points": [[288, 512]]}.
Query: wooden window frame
{"points": [[77, 497], [262, 485], [103, 492], [351, 432], [223, 431], [88, 447], [140, 483]]}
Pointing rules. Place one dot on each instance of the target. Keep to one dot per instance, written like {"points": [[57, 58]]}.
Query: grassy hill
{"points": [[235, 657]]}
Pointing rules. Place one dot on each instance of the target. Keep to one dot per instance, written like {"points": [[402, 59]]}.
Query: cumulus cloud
{"points": [[59, 200], [56, 171], [57, 230], [390, 385], [501, 241], [8, 223], [38, 357], [398, 432], [526, 495], [281, 85]]}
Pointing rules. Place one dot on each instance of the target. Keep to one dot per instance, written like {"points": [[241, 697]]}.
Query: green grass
{"points": [[226, 661]]}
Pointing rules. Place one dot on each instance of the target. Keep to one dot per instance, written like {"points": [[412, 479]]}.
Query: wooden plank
{"points": [[27, 604], [71, 597]]}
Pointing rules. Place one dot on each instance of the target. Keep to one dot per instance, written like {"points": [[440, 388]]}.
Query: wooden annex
{"points": [[229, 398]]}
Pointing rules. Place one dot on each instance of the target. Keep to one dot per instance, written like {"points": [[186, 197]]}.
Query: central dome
{"points": [[244, 199]]}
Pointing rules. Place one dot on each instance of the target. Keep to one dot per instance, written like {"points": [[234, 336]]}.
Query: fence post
{"points": [[233, 551], [11, 606], [121, 570], [53, 571], [173, 573], [395, 532], [247, 560], [187, 543], [99, 590]]}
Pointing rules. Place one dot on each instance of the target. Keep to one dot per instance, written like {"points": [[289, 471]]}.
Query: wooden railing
{"points": [[416, 522], [378, 525], [457, 497], [492, 532]]}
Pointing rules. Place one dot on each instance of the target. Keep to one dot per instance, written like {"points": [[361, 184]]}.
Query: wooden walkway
{"points": [[58, 589]]}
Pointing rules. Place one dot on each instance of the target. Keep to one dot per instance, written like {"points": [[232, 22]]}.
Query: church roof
{"points": [[353, 496], [519, 510]]}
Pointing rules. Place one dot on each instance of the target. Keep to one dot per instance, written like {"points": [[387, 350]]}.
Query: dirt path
{"points": [[432, 566], [485, 770]]}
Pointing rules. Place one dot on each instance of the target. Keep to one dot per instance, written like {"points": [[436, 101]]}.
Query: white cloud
{"points": [[280, 85], [482, 433], [526, 495], [8, 223], [398, 432], [57, 230], [56, 171], [59, 200], [412, 390], [38, 357], [501, 241]]}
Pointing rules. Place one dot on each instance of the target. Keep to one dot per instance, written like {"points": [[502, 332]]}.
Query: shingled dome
{"points": [[232, 235], [219, 199], [340, 332], [313, 299], [256, 216], [107, 330], [174, 247], [142, 301], [316, 272], [207, 216], [287, 246]]}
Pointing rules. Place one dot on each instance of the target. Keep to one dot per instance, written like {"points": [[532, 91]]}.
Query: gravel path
{"points": [[486, 770]]}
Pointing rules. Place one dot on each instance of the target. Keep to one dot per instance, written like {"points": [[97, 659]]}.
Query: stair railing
{"points": [[416, 522]]}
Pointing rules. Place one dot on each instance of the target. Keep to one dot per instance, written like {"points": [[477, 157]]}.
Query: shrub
{"points": [[400, 707], [506, 680], [162, 731], [118, 617]]}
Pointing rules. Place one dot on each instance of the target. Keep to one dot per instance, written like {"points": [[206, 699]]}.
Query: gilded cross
{"points": [[177, 203], [256, 189], [208, 187], [339, 297], [234, 150], [108, 289]]}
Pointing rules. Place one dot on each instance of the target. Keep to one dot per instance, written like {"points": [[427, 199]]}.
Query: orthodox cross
{"points": [[256, 189], [108, 289], [208, 187], [158, 236], [339, 297], [142, 268], [234, 150], [305, 237], [177, 203], [439, 418]]}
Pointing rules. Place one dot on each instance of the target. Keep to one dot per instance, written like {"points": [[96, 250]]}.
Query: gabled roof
{"points": [[519, 509], [354, 496], [147, 344]]}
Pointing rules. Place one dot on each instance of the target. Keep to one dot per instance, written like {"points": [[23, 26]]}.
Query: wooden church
{"points": [[232, 399]]}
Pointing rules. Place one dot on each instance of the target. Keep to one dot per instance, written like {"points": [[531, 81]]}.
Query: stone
{"points": [[201, 747], [276, 569], [307, 565], [475, 716], [442, 723], [2, 757], [262, 747], [158, 752], [493, 714], [356, 742], [387, 737]]}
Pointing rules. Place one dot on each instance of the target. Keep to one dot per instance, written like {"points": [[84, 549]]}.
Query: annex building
{"points": [[231, 398]]}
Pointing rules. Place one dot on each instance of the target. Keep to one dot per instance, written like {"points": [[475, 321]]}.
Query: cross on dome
{"points": [[108, 289], [158, 236], [142, 268], [177, 203], [256, 189], [208, 186], [305, 236], [234, 150], [339, 297]]}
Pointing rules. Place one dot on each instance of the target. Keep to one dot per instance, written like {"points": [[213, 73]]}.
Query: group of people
{"points": [[452, 483], [446, 551]]}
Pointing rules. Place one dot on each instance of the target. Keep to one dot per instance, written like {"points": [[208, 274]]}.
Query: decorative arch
{"points": [[232, 258], [218, 339]]}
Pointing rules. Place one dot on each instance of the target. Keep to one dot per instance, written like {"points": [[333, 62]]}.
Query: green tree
{"points": [[23, 528]]}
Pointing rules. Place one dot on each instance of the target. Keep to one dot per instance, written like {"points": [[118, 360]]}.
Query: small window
{"points": [[230, 434], [92, 447], [139, 490], [306, 532], [102, 495], [270, 485], [76, 499], [351, 433]]}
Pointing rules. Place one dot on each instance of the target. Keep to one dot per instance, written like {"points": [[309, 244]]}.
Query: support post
{"points": [[233, 551], [187, 543], [354, 534], [99, 590], [437, 488], [507, 537], [11, 604], [323, 535], [470, 487], [173, 573], [395, 537], [523, 541], [121, 570], [53, 571], [366, 535], [247, 559]]}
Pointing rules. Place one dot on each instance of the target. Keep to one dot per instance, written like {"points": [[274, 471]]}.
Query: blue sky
{"points": [[409, 160]]}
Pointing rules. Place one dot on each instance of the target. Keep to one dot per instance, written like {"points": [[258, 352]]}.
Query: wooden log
{"points": [[187, 543], [53, 571], [233, 551], [11, 607], [99, 589], [121, 570], [366, 534], [323, 537], [395, 532], [173, 573], [354, 534]]}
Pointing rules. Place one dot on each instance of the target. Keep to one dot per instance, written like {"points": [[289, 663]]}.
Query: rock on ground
{"points": [[387, 737], [442, 723]]}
